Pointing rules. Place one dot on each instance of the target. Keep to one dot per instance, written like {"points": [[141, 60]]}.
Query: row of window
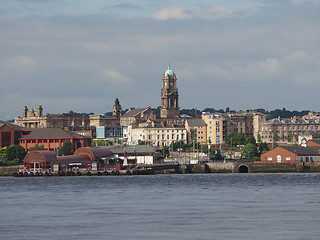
{"points": [[292, 128], [173, 137], [279, 158], [42, 141]]}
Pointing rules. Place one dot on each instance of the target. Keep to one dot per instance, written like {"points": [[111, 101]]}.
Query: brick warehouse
{"points": [[291, 154]]}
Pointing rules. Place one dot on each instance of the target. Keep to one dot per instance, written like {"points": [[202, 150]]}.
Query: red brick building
{"points": [[52, 138], [9, 134], [291, 154]]}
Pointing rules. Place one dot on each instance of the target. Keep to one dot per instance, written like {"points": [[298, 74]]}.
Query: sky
{"points": [[81, 55]]}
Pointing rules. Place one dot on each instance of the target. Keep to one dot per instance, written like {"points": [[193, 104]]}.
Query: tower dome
{"points": [[169, 72]]}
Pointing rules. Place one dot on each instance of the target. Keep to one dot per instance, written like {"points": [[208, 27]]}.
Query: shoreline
{"points": [[211, 168]]}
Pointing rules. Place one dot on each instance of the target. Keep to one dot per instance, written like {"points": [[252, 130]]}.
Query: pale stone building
{"points": [[36, 119], [287, 128], [137, 115], [156, 134]]}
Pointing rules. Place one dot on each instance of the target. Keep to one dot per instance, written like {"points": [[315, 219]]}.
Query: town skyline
{"points": [[236, 54]]}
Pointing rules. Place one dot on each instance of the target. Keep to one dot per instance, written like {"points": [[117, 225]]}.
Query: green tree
{"points": [[249, 151], [37, 147], [16, 153], [252, 140], [275, 138], [66, 148], [3, 156], [165, 151], [262, 147], [236, 139], [290, 137], [259, 138], [100, 143]]}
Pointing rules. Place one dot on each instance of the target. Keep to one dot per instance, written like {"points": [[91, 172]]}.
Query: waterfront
{"points": [[199, 206]]}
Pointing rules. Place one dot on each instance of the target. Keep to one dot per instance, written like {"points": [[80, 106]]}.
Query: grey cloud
{"points": [[124, 6], [84, 62]]}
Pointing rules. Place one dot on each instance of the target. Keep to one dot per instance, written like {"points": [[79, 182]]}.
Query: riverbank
{"points": [[216, 167]]}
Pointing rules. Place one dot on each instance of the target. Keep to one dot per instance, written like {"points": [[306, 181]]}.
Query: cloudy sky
{"points": [[80, 55]]}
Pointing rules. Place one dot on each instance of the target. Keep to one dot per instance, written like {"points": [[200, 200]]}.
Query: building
{"points": [[307, 136], [137, 115], [313, 143], [196, 130], [247, 122], [156, 133], [287, 130], [312, 115], [169, 95], [109, 132], [117, 109], [138, 154], [291, 154], [218, 127], [86, 158], [36, 119], [52, 138], [10, 134]]}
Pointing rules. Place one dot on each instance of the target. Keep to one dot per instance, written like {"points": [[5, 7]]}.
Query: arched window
{"points": [[279, 158]]}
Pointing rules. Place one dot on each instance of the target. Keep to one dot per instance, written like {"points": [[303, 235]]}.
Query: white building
{"points": [[160, 135]]}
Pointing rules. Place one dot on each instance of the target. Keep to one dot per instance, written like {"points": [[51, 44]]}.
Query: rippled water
{"points": [[206, 206]]}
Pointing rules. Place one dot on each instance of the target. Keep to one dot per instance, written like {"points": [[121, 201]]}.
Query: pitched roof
{"points": [[317, 141], [311, 133], [302, 151], [196, 122], [51, 133], [133, 149], [134, 112], [15, 127]]}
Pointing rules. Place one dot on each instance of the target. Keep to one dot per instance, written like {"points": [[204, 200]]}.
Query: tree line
{"points": [[283, 113]]}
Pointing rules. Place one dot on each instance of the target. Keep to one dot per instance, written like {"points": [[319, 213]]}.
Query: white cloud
{"points": [[115, 77], [181, 12], [266, 68], [21, 62]]}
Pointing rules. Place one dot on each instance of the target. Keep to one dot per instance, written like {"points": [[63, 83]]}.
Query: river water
{"points": [[204, 206]]}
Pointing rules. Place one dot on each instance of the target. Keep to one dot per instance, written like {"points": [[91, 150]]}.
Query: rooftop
{"points": [[134, 112], [42, 133], [302, 151]]}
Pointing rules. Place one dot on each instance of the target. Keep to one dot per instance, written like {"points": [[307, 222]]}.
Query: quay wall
{"points": [[221, 167], [8, 170]]}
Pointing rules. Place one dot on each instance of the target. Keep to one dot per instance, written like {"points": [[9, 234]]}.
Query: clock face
{"points": [[304, 141]]}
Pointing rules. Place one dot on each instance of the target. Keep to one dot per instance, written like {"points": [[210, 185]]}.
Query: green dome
{"points": [[169, 72]]}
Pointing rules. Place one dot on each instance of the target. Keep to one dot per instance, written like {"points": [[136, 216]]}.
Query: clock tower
{"points": [[169, 95]]}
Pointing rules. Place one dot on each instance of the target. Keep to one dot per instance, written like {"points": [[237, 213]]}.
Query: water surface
{"points": [[204, 206]]}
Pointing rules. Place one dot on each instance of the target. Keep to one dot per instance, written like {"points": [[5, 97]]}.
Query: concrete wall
{"points": [[221, 167], [8, 171]]}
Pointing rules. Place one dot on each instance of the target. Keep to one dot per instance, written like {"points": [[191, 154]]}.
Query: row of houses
{"points": [[142, 125]]}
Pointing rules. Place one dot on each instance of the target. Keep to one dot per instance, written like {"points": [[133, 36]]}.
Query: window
{"points": [[269, 158], [279, 158], [288, 158]]}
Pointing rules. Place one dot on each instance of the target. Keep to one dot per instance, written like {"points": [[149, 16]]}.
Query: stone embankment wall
{"points": [[8, 171], [255, 167], [221, 167]]}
